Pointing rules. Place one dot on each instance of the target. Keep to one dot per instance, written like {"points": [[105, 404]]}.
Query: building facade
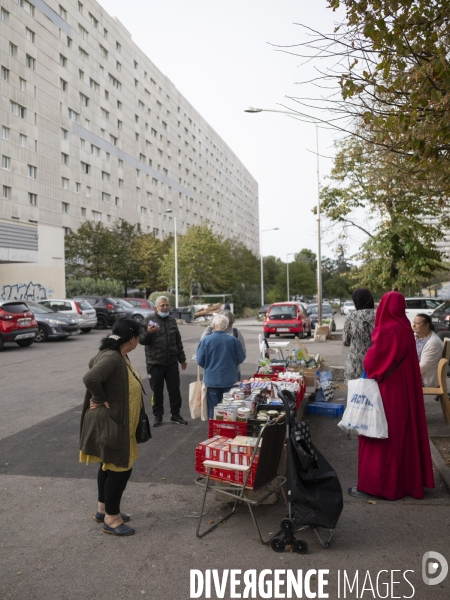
{"points": [[92, 130]]}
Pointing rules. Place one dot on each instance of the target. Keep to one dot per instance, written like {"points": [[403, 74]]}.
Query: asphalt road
{"points": [[50, 547]]}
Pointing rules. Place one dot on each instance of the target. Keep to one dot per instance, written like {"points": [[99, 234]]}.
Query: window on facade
{"points": [[64, 158], [106, 176], [96, 216], [88, 191], [64, 85], [23, 140], [103, 51], [113, 140], [121, 183], [83, 32], [12, 49], [32, 171], [85, 167], [65, 183], [22, 85], [118, 47], [80, 7], [136, 83], [5, 74], [64, 134], [80, 74], [62, 13], [116, 201], [83, 54], [84, 100], [78, 187], [4, 15], [7, 192], [32, 199], [65, 207], [73, 115], [6, 162], [136, 135], [106, 95], [62, 60], [30, 35], [27, 6], [82, 143], [136, 118], [6, 133], [83, 211], [105, 113], [106, 197], [93, 20], [94, 85], [143, 210]]}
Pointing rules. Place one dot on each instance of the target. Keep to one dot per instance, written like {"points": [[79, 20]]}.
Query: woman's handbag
{"points": [[143, 433], [365, 411]]}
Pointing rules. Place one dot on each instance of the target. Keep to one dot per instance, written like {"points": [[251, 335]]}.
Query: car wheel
{"points": [[138, 318], [42, 334], [266, 335], [2, 343], [333, 327], [24, 343], [86, 330], [102, 322]]}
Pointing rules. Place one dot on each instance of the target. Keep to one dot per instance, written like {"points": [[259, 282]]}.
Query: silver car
{"points": [[134, 312], [80, 310]]}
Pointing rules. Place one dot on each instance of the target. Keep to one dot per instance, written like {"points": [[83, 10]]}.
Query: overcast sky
{"points": [[218, 54]]}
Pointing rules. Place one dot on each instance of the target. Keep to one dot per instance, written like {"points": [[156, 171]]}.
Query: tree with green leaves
{"points": [[88, 251], [124, 261], [201, 260], [404, 219], [150, 252]]}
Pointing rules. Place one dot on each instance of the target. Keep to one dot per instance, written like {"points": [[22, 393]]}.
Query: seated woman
{"points": [[429, 349]]}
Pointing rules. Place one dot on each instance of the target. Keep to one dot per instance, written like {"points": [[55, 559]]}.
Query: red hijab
{"points": [[392, 338]]}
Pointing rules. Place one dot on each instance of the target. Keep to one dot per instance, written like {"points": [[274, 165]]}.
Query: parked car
{"points": [[327, 313], [108, 310], [17, 323], [415, 306], [262, 312], [287, 317], [51, 325], [140, 302], [81, 310], [441, 317], [347, 307], [135, 312]]}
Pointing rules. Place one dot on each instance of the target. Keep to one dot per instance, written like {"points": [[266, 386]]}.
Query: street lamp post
{"points": [[287, 274], [251, 109], [176, 255], [261, 255]]}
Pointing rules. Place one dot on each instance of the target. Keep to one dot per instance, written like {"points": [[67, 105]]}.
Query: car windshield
{"points": [[444, 306], [38, 308], [84, 305], [326, 309], [283, 312], [15, 307], [124, 302]]}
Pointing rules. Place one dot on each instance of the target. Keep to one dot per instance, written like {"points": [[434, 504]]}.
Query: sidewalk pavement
{"points": [[50, 547]]}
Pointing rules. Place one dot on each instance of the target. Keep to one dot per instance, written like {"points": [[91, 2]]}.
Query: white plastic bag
{"points": [[197, 398], [365, 411]]}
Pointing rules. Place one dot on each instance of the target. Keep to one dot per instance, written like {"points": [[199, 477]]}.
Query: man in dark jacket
{"points": [[163, 352]]}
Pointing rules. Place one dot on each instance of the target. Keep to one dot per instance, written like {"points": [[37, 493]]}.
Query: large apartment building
{"points": [[92, 130]]}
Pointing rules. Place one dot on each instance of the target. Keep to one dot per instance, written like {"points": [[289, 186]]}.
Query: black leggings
{"points": [[111, 486]]}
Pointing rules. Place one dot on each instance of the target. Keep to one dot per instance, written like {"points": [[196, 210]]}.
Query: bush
{"points": [[94, 287], [168, 295], [249, 312]]}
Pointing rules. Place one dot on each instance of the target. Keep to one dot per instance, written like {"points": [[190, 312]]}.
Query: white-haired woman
{"points": [[220, 355]]}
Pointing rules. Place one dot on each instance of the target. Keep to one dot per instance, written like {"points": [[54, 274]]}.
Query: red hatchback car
{"points": [[17, 323], [287, 318]]}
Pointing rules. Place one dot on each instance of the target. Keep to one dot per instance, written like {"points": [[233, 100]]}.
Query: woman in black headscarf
{"points": [[358, 329]]}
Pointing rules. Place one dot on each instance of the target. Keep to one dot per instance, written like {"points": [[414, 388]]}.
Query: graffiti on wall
{"points": [[25, 291]]}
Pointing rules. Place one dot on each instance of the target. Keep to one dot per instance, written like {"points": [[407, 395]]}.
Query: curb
{"points": [[440, 465]]}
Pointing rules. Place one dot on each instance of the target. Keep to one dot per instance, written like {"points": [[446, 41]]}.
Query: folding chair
{"points": [[442, 389], [264, 347], [272, 436]]}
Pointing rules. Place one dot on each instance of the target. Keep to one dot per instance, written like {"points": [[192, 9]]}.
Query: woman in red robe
{"points": [[400, 465]]}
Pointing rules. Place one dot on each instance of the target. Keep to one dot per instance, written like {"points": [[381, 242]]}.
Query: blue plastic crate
{"points": [[330, 409]]}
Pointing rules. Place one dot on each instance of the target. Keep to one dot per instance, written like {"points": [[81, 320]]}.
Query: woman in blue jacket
{"points": [[220, 355]]}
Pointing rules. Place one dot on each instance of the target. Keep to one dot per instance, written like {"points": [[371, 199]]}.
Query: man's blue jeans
{"points": [[214, 396]]}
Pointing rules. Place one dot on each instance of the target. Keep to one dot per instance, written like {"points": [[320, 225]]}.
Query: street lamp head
{"points": [[251, 109]]}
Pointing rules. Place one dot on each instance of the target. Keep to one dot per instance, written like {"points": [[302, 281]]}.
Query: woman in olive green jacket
{"points": [[109, 421]]}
